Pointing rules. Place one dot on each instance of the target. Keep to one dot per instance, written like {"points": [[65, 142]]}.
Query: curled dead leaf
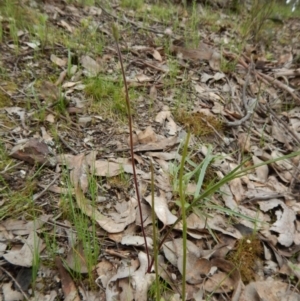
{"points": [[161, 209]]}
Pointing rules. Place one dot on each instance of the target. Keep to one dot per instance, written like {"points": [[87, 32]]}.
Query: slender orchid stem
{"points": [[116, 37]]}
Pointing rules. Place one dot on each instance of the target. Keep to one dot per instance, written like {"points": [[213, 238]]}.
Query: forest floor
{"points": [[214, 90]]}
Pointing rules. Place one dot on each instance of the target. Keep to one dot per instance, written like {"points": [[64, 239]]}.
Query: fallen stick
{"points": [[265, 78]]}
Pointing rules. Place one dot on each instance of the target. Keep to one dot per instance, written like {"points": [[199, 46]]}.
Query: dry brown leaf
{"points": [[79, 173], [210, 96], [205, 77], [57, 189], [65, 25], [61, 78], [195, 226], [135, 140], [218, 76], [147, 136], [125, 270], [68, 286], [163, 115], [49, 91], [93, 10], [244, 142], [24, 256], [254, 214], [165, 166], [10, 294], [281, 165], [199, 89], [134, 240], [21, 227], [237, 189], [19, 112], [165, 156], [105, 271], [174, 250], [215, 61], [90, 65], [141, 78], [33, 151], [162, 181], [203, 53], [230, 281], [285, 60], [219, 283], [58, 61], [171, 126], [227, 196], [141, 279], [76, 259], [262, 172], [153, 93], [217, 222], [33, 45], [197, 269], [271, 290], [105, 168], [50, 118], [67, 85], [279, 134], [146, 214], [113, 224], [46, 137], [161, 144], [3, 246], [284, 225], [156, 55], [161, 209], [134, 283]]}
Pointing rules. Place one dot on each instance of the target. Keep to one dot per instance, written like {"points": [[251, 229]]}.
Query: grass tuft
{"points": [[132, 4], [108, 97]]}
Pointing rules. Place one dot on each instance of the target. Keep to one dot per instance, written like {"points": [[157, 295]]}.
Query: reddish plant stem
{"points": [[131, 149]]}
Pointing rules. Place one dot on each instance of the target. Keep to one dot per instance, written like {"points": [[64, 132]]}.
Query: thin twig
{"points": [[245, 118], [264, 197], [64, 118], [38, 195], [232, 96], [211, 126], [116, 18], [6, 169], [263, 77], [249, 108], [67, 145], [151, 65], [284, 125], [6, 93], [279, 84], [15, 281], [245, 87], [294, 177]]}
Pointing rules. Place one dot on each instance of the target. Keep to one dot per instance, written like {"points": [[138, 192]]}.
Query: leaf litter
{"points": [[57, 129]]}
